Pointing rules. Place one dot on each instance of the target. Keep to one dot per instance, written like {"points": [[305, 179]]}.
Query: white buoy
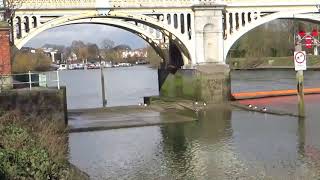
{"points": [[250, 106], [196, 103], [145, 105], [255, 107], [205, 104], [264, 109]]}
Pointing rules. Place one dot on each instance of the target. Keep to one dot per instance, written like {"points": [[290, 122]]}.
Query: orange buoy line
{"points": [[262, 94]]}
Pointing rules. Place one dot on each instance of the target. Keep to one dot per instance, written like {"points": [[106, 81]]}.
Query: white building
{"points": [[54, 54], [140, 53]]}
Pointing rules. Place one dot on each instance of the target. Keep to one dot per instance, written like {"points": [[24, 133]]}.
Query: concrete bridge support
{"points": [[212, 72], [210, 80]]}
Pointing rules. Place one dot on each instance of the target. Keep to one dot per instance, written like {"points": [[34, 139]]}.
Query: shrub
{"points": [[32, 148], [27, 61]]}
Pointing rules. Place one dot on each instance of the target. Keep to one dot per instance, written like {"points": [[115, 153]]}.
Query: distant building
{"points": [[72, 58], [139, 53], [2, 10], [28, 49], [54, 54]]}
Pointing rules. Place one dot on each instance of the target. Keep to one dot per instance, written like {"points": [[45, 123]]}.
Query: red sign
{"points": [[314, 33], [302, 34], [309, 41]]}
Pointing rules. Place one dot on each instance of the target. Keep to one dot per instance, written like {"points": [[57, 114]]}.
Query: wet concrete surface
{"points": [[132, 116]]}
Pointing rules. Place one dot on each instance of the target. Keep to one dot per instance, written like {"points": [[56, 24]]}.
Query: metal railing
{"points": [[29, 80]]}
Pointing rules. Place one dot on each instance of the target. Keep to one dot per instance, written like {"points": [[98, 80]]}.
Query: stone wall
{"points": [[5, 57], [209, 83], [183, 84], [48, 103], [215, 82]]}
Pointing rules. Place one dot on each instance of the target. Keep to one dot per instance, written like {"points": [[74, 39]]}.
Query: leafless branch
{"points": [[11, 6]]}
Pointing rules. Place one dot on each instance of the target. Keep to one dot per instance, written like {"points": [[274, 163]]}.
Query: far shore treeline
{"points": [[274, 39], [24, 60]]}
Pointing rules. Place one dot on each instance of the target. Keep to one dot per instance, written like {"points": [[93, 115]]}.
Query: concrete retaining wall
{"points": [[50, 103], [209, 83], [183, 84]]}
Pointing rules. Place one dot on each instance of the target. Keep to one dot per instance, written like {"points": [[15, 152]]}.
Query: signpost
{"points": [[300, 60], [307, 39], [300, 64]]}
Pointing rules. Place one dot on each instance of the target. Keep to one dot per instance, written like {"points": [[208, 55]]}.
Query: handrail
{"points": [[8, 80]]}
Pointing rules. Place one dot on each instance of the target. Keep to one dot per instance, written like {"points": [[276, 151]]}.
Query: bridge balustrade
{"points": [[57, 4]]}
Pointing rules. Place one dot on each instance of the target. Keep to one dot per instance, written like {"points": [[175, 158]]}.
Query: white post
{"points": [[315, 51], [30, 81], [58, 80]]}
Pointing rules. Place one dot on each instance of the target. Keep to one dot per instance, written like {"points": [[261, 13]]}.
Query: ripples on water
{"points": [[224, 144]]}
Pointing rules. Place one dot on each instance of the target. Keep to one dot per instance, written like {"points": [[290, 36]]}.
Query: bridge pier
{"points": [[208, 82], [211, 70], [209, 34], [214, 82]]}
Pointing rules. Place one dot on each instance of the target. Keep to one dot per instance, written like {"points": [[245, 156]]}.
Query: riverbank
{"points": [[33, 135], [34, 147], [265, 63]]}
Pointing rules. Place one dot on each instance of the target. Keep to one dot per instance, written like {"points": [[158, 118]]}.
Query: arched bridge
{"points": [[203, 30]]}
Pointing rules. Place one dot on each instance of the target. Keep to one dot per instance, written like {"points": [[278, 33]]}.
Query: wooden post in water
{"points": [[104, 101], [300, 86], [300, 90]]}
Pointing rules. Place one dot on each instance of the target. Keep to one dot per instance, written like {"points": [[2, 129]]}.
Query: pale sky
{"points": [[87, 33]]}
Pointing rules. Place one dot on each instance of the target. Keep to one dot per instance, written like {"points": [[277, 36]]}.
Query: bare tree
{"points": [[107, 44], [10, 7]]}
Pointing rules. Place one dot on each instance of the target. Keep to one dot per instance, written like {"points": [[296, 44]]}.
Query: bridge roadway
{"points": [[197, 32]]}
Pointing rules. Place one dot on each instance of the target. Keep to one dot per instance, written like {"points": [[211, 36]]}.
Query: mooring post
{"points": [[300, 86], [104, 102], [300, 90]]}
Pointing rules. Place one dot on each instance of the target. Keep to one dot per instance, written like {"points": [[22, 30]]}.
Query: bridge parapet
{"points": [[56, 4], [162, 3], [63, 4]]}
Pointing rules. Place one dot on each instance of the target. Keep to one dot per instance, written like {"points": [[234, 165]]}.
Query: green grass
{"points": [[312, 61]]}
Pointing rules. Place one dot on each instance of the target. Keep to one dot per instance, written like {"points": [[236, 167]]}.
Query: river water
{"points": [[123, 86], [224, 144]]}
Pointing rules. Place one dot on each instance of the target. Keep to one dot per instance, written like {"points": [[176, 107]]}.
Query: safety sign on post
{"points": [[300, 60]]}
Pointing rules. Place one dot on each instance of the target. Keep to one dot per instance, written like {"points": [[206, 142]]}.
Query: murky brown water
{"points": [[224, 144]]}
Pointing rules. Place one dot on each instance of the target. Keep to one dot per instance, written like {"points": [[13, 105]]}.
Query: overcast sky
{"points": [[87, 33]]}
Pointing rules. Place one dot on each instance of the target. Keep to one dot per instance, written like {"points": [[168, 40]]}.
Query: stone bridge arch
{"points": [[234, 29], [118, 19], [145, 35]]}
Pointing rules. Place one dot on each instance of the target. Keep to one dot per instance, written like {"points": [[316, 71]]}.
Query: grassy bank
{"points": [[270, 62], [33, 147]]}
